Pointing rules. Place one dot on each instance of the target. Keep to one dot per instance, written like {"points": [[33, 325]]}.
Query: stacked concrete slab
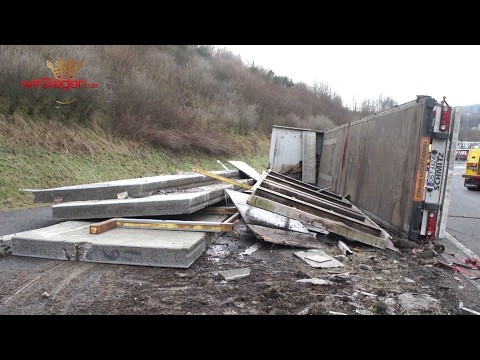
{"points": [[71, 240], [135, 188], [154, 205], [154, 196]]}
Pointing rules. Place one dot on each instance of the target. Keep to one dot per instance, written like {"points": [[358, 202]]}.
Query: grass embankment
{"points": [[42, 155]]}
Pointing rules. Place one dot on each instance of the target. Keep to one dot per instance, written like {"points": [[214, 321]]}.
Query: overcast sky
{"points": [[368, 71]]}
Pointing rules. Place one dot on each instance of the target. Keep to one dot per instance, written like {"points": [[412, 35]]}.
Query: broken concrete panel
{"points": [[48, 242], [257, 216], [246, 169]]}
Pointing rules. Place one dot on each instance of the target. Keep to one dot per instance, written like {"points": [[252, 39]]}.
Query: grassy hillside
{"points": [[40, 155]]}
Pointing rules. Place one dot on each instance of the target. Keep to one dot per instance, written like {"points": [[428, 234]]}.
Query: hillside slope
{"points": [[45, 154]]}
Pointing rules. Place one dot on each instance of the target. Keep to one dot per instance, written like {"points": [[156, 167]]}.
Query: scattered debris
{"points": [[316, 281], [122, 195], [471, 263], [251, 249], [340, 277], [364, 293], [413, 301], [454, 266], [364, 312], [365, 267], [466, 311], [285, 237], [230, 275], [336, 313], [226, 168], [404, 243], [428, 250], [309, 256], [318, 258], [344, 248]]}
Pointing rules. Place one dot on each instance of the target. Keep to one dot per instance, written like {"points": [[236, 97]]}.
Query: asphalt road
{"points": [[12, 222], [463, 221]]}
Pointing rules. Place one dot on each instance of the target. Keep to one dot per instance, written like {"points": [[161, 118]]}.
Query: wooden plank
{"points": [[103, 226], [233, 219], [208, 226], [175, 225], [218, 210], [221, 178]]}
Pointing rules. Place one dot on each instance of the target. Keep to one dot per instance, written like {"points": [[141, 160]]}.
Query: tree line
{"points": [[182, 98]]}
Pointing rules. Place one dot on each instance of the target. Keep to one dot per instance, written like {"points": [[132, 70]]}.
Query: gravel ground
{"points": [[271, 280]]}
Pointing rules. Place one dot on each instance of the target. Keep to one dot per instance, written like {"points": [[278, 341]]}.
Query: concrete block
{"points": [[139, 187], [155, 205], [71, 240]]}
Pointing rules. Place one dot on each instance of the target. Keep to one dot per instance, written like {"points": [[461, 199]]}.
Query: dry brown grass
{"points": [[23, 132], [169, 97]]}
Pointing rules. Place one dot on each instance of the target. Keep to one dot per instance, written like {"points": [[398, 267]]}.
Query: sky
{"points": [[361, 72]]}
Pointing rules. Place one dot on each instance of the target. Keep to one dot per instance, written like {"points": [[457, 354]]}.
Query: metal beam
{"points": [[330, 225], [207, 226], [221, 178]]}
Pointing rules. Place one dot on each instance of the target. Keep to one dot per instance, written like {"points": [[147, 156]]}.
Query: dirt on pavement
{"points": [[274, 280]]}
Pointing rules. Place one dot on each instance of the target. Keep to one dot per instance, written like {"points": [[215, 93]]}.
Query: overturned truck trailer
{"points": [[395, 165]]}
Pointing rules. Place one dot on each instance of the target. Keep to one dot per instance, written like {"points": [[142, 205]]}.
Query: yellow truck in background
{"points": [[472, 174]]}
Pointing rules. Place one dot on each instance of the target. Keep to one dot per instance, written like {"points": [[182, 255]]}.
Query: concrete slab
{"points": [[71, 240], [155, 205], [246, 169], [139, 187]]}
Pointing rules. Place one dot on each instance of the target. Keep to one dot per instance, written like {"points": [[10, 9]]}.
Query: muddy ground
{"points": [[274, 280]]}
